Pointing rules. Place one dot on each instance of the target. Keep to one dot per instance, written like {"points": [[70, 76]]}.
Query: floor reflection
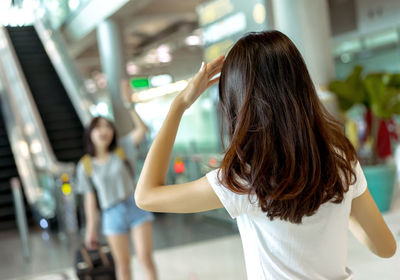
{"points": [[188, 247]]}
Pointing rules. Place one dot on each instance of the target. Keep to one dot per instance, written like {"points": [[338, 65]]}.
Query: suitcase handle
{"points": [[86, 258], [103, 257]]}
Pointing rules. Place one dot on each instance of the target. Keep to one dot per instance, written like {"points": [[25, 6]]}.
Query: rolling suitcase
{"points": [[95, 264]]}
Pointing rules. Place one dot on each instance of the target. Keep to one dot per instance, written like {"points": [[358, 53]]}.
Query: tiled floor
{"points": [[197, 257], [55, 253]]}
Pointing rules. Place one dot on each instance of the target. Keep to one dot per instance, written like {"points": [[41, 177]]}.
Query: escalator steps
{"points": [[58, 115]]}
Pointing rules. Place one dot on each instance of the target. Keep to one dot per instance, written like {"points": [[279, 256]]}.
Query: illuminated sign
{"points": [[160, 80], [152, 81], [217, 49], [225, 28], [225, 21], [214, 10], [139, 83]]}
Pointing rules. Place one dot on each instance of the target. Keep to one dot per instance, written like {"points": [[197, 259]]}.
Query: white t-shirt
{"points": [[315, 249]]}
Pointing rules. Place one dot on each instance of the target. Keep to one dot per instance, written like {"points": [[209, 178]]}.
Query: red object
{"points": [[386, 132], [179, 167], [392, 129], [213, 162], [384, 148], [368, 121]]}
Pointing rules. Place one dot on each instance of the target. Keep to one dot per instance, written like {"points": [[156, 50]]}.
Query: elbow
{"points": [[389, 251], [141, 201], [141, 204]]}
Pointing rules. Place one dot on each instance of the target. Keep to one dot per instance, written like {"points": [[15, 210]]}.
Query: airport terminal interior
{"points": [[62, 63]]}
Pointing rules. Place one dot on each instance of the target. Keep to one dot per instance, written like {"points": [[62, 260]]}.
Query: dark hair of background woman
{"points": [[284, 146], [88, 144]]}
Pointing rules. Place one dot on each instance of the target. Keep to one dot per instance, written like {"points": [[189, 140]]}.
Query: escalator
{"points": [[8, 170], [61, 122]]}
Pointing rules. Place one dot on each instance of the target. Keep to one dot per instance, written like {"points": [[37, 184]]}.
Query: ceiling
{"points": [[156, 23]]}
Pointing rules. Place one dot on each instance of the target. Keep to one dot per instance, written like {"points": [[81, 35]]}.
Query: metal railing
{"points": [[34, 157]]}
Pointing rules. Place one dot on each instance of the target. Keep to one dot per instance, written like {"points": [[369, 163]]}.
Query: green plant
{"points": [[380, 94], [351, 91], [383, 95]]}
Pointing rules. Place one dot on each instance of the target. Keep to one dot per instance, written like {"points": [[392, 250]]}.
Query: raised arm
{"points": [[368, 225], [151, 193], [141, 128]]}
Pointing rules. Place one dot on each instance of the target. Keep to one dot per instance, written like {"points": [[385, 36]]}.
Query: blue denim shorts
{"points": [[121, 217]]}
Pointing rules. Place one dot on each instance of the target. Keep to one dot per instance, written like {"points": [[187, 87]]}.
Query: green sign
{"points": [[139, 83]]}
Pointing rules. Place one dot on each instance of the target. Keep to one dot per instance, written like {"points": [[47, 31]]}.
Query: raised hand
{"points": [[91, 239], [202, 81]]}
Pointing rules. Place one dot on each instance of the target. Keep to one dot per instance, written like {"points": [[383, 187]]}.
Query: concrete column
{"points": [[113, 65], [21, 216], [306, 23]]}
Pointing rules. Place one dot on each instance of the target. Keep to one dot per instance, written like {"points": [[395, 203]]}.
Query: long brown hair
{"points": [[284, 146]]}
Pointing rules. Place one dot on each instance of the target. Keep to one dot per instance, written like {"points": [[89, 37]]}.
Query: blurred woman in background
{"points": [[106, 176]]}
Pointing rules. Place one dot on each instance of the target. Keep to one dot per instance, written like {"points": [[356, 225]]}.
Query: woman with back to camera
{"points": [[289, 175], [111, 174]]}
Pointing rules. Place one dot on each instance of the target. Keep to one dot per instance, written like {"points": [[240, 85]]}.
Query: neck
{"points": [[101, 152]]}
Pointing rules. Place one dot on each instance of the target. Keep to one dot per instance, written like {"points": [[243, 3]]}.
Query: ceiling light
{"points": [[102, 109], [163, 49], [164, 58], [151, 58], [36, 147], [132, 68], [193, 40], [23, 148], [5, 4], [73, 4], [90, 86]]}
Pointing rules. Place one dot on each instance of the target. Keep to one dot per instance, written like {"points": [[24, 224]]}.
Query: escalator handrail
{"points": [[24, 162]]}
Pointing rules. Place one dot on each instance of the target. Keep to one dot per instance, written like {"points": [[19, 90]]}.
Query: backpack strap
{"points": [[119, 151], [87, 165], [88, 168]]}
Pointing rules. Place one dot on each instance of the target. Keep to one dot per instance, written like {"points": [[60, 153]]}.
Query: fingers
{"points": [[213, 82], [215, 71], [215, 67], [203, 64], [216, 63], [209, 70]]}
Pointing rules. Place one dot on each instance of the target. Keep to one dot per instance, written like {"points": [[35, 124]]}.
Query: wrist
{"points": [[179, 103], [91, 228]]}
